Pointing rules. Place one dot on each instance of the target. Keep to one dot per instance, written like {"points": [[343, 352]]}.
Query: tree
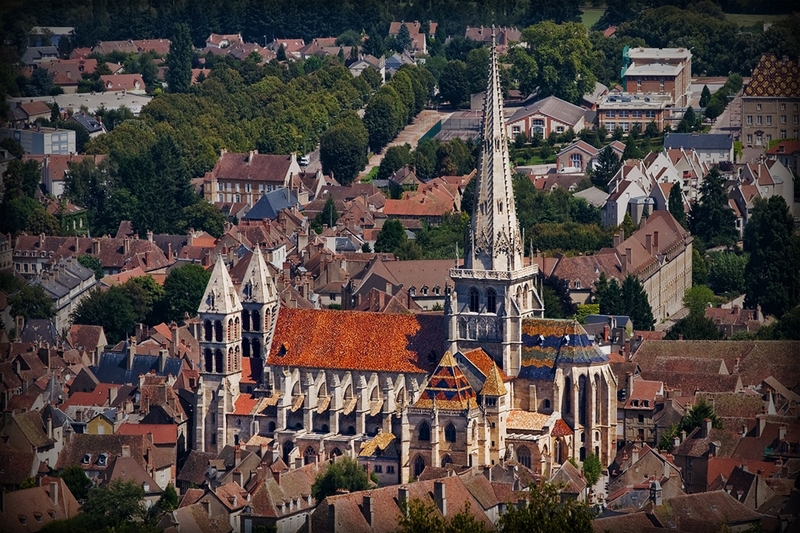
{"points": [[608, 164], [454, 86], [651, 130], [384, 117], [205, 216], [179, 60], [714, 108], [636, 303], [169, 499], [698, 298], [403, 40], [40, 221], [558, 302], [93, 263], [705, 96], [691, 420], [111, 309], [676, 206], [280, 55], [328, 216], [711, 218], [21, 178], [418, 516], [31, 301], [544, 511], [113, 505], [608, 294], [396, 157], [183, 290], [632, 150], [558, 61], [344, 473], [343, 149], [694, 326], [77, 481], [772, 278], [592, 468], [726, 272], [689, 121], [373, 77], [699, 267], [391, 237]]}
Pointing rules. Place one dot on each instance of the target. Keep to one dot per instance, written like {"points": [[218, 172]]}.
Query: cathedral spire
{"points": [[257, 283], [495, 242], [220, 296]]}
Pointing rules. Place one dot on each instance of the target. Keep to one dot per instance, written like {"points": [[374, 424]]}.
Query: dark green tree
{"points": [[637, 306], [772, 277], [183, 290], [592, 468], [395, 158], [608, 294], [373, 77], [608, 164], [205, 216], [344, 473], [111, 309], [558, 302], [93, 263], [544, 511], [711, 218], [676, 206], [144, 294], [328, 216], [391, 237], [632, 150], [705, 96], [726, 272], [113, 506], [30, 301], [418, 516], [714, 108], [384, 117], [21, 178], [691, 420], [343, 149], [41, 221], [77, 481], [403, 39], [454, 86], [688, 122], [651, 131], [698, 298], [699, 267], [694, 326], [169, 499], [179, 60]]}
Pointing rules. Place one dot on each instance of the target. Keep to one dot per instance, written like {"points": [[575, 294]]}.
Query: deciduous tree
{"points": [[183, 290], [343, 149], [30, 301], [544, 511], [711, 218], [344, 473]]}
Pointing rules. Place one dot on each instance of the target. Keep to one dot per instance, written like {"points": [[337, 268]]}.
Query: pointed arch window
{"points": [[524, 456], [450, 433], [582, 399], [246, 320], [446, 460], [218, 360], [209, 360], [207, 326], [256, 321], [246, 347], [419, 465], [567, 404], [491, 301], [256, 351], [218, 331], [424, 432], [474, 300]]}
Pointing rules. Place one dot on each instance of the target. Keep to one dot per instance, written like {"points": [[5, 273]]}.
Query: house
{"points": [[633, 473], [42, 141], [132, 83], [770, 178], [104, 48], [29, 510], [623, 196], [547, 116], [28, 112], [639, 409], [504, 36], [54, 34], [55, 168], [91, 339], [368, 61], [581, 156], [67, 73], [28, 432], [623, 110], [711, 148], [397, 60], [418, 37], [291, 47], [216, 40], [788, 153], [659, 71], [270, 204], [66, 283], [92, 126], [35, 55], [245, 177], [734, 319], [771, 102]]}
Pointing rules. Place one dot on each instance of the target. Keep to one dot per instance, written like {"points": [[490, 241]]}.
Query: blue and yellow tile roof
{"points": [[448, 387], [547, 343]]}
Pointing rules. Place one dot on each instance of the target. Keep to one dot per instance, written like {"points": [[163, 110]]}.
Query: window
{"points": [[625, 126], [638, 84], [661, 84], [419, 465], [749, 120], [450, 433], [490, 402], [758, 120], [794, 107], [378, 469], [758, 107], [576, 161], [474, 300], [636, 114], [689, 463], [759, 139], [219, 186], [749, 138], [424, 431], [794, 119], [769, 120], [610, 113], [783, 119], [491, 301], [538, 126], [611, 126], [623, 113], [783, 134], [560, 129], [524, 456], [783, 107], [650, 113], [641, 419], [515, 130], [577, 284]]}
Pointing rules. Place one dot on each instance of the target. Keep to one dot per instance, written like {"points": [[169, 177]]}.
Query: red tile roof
{"points": [[560, 429], [355, 340]]}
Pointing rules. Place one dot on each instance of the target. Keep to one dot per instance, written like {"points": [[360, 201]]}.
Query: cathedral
{"points": [[487, 381]]}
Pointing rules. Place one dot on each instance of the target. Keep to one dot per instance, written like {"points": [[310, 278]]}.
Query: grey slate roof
{"points": [[112, 367], [698, 141], [39, 329], [552, 107], [90, 124], [269, 205]]}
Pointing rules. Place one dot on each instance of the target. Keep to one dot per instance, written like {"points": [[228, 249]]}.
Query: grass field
{"points": [[745, 20], [591, 16]]}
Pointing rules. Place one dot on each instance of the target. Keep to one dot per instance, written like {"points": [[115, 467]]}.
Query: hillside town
{"points": [[536, 274]]}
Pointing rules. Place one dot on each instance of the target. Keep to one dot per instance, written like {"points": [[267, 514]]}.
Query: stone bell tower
{"points": [[494, 290]]}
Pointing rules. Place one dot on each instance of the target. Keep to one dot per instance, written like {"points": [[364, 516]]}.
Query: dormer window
{"points": [[87, 459], [646, 403], [635, 403], [577, 284], [102, 459]]}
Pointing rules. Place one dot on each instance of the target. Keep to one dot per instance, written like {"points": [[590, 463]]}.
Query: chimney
{"points": [[331, 518], [648, 239], [169, 251], [96, 247], [402, 497], [238, 478], [706, 427], [131, 352], [369, 511], [263, 448], [162, 360], [683, 435], [676, 440], [629, 384], [126, 450], [655, 242], [50, 427], [237, 455], [634, 454], [126, 246], [606, 333], [439, 496], [54, 493]]}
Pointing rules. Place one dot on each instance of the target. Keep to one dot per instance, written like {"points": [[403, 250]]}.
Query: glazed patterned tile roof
{"points": [[493, 386], [378, 442], [546, 343], [447, 388], [773, 77], [335, 339]]}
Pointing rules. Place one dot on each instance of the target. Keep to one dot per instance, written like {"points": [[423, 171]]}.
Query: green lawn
{"points": [[591, 16], [746, 20]]}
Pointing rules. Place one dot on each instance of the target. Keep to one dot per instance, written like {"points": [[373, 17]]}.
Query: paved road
{"points": [[411, 134]]}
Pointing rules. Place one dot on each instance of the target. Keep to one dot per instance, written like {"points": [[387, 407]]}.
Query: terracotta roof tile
{"points": [[162, 433], [447, 388], [355, 340], [560, 429], [526, 420]]}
